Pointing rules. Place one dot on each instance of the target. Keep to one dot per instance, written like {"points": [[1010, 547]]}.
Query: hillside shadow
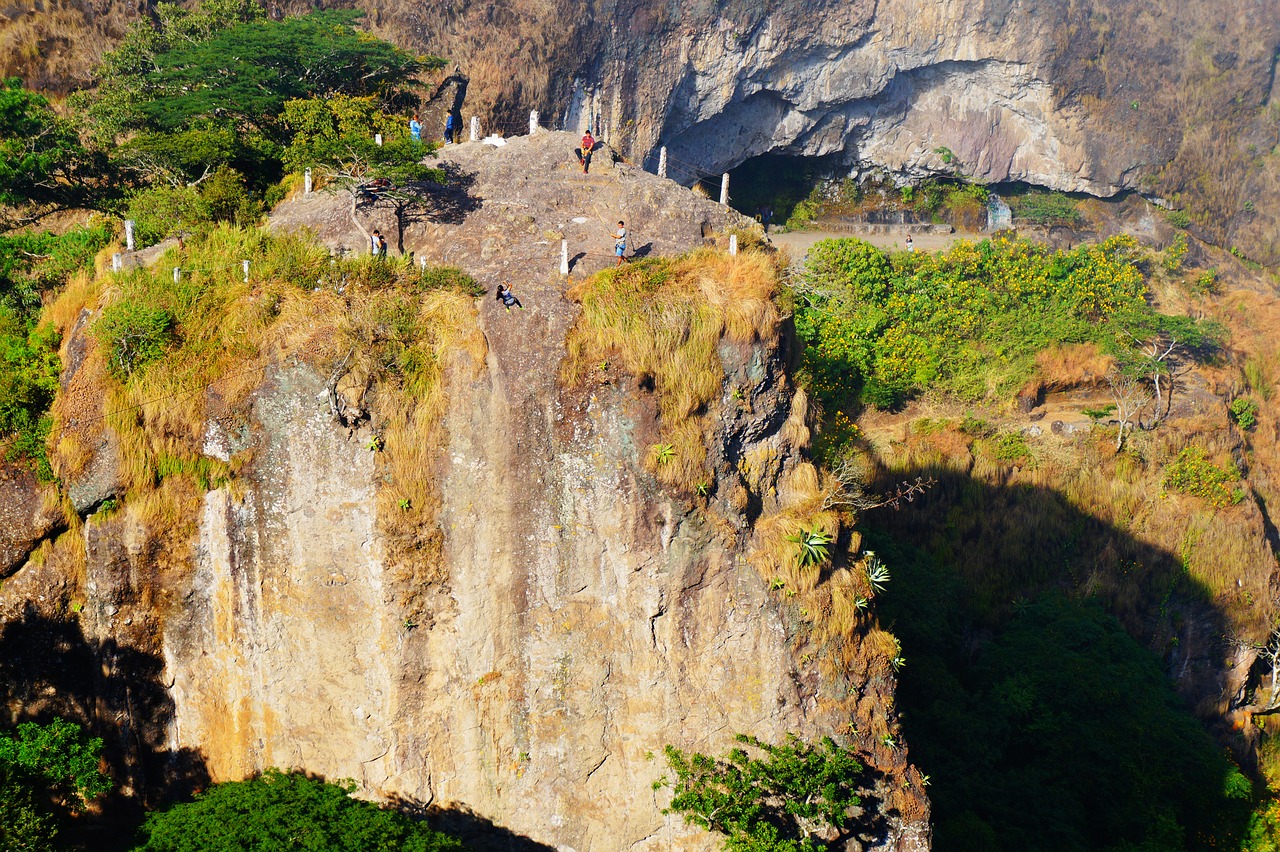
{"points": [[449, 203], [49, 668], [1038, 693], [475, 831]]}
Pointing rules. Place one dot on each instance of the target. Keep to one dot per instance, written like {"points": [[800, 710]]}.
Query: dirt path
{"points": [[799, 242]]}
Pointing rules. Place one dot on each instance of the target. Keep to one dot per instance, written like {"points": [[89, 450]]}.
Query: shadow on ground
{"points": [[48, 669], [1036, 694]]}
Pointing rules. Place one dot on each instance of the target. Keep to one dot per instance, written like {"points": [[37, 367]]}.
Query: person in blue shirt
{"points": [[506, 297], [415, 128], [450, 129]]}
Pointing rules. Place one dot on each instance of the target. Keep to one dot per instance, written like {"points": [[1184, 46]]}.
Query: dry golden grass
{"points": [[1083, 517], [664, 319], [1071, 365], [390, 343]]}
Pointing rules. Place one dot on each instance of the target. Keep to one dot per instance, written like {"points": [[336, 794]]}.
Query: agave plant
{"points": [[663, 453], [877, 572], [812, 546]]}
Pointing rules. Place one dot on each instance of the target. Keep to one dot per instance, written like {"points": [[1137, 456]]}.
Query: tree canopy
{"points": [[225, 62], [39, 152], [794, 797], [45, 770], [286, 811]]}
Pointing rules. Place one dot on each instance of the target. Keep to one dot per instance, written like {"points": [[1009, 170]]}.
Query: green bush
{"points": [[1173, 255], [1245, 412], [228, 199], [134, 333], [162, 211], [34, 262], [968, 321], [449, 277], [794, 797], [1192, 473], [1010, 446], [280, 811], [1037, 207], [45, 770], [1179, 218], [29, 370]]}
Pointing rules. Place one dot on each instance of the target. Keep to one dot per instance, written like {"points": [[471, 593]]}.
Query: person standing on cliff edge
{"points": [[415, 128], [620, 242]]}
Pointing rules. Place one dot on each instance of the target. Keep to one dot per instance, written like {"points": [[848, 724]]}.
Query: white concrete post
{"points": [[306, 182], [733, 244], [422, 261], [377, 137], [564, 257], [662, 162], [128, 234], [177, 275], [475, 128], [246, 272], [533, 122], [724, 189], [117, 263]]}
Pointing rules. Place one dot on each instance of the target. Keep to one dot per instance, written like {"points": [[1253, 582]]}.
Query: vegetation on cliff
{"points": [[971, 321], [47, 773], [792, 797], [196, 117], [280, 810], [1034, 582]]}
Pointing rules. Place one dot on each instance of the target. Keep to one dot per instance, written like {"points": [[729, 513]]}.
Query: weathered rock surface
{"points": [[580, 617], [25, 517]]}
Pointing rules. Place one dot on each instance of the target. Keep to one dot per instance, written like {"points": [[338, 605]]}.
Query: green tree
{"points": [[39, 152], [336, 135], [45, 771], [795, 797], [243, 71], [286, 811]]}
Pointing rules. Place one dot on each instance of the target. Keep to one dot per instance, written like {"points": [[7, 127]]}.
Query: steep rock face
{"points": [[577, 617], [1022, 91]]}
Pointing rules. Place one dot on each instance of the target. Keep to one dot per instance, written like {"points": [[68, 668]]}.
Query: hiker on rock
{"points": [[415, 128], [506, 297], [450, 128], [584, 153], [620, 242], [377, 245], [911, 246]]}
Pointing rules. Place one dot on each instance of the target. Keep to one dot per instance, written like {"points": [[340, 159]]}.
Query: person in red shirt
{"points": [[584, 153]]}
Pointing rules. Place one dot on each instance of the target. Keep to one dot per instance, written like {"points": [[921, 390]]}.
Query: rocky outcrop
{"points": [[577, 616], [25, 517]]}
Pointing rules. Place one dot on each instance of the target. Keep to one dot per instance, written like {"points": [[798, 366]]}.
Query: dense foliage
{"points": [[1193, 473], [187, 124], [281, 811], [33, 264], [39, 152], [46, 771], [968, 321], [1059, 732], [793, 797]]}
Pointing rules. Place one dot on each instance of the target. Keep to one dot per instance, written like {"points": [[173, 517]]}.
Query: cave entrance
{"points": [[778, 181]]}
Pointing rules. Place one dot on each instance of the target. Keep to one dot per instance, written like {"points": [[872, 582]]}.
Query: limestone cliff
{"points": [[522, 662]]}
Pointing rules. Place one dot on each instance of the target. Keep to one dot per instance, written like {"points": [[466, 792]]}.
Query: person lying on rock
{"points": [[506, 297]]}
